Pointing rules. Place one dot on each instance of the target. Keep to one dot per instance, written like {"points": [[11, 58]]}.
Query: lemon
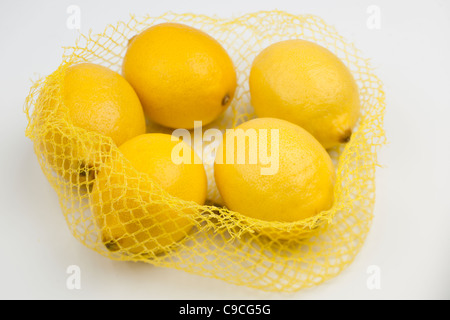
{"points": [[101, 100], [133, 217], [96, 99], [300, 187], [181, 75], [305, 83]]}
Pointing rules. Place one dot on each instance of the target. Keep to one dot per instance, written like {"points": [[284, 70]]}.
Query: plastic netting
{"points": [[222, 244]]}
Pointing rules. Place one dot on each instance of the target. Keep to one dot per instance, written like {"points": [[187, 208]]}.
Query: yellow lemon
{"points": [[181, 75], [304, 83], [131, 214], [101, 100], [292, 177], [96, 99]]}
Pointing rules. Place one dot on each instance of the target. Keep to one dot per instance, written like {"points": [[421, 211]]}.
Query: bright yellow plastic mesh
{"points": [[223, 244]]}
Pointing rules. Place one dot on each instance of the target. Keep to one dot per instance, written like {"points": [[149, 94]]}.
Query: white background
{"points": [[410, 237]]}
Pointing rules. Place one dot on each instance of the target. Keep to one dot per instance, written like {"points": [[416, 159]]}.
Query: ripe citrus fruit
{"points": [[99, 99], [304, 83], [300, 187], [96, 99], [131, 213], [181, 75]]}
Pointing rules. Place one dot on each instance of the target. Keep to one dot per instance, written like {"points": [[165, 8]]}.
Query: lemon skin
{"points": [[305, 83], [94, 99], [181, 75], [302, 187], [135, 218]]}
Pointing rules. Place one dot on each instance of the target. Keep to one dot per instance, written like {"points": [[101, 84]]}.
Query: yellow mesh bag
{"points": [[223, 244]]}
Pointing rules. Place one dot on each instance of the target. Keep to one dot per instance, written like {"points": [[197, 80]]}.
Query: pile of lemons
{"points": [[174, 75]]}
